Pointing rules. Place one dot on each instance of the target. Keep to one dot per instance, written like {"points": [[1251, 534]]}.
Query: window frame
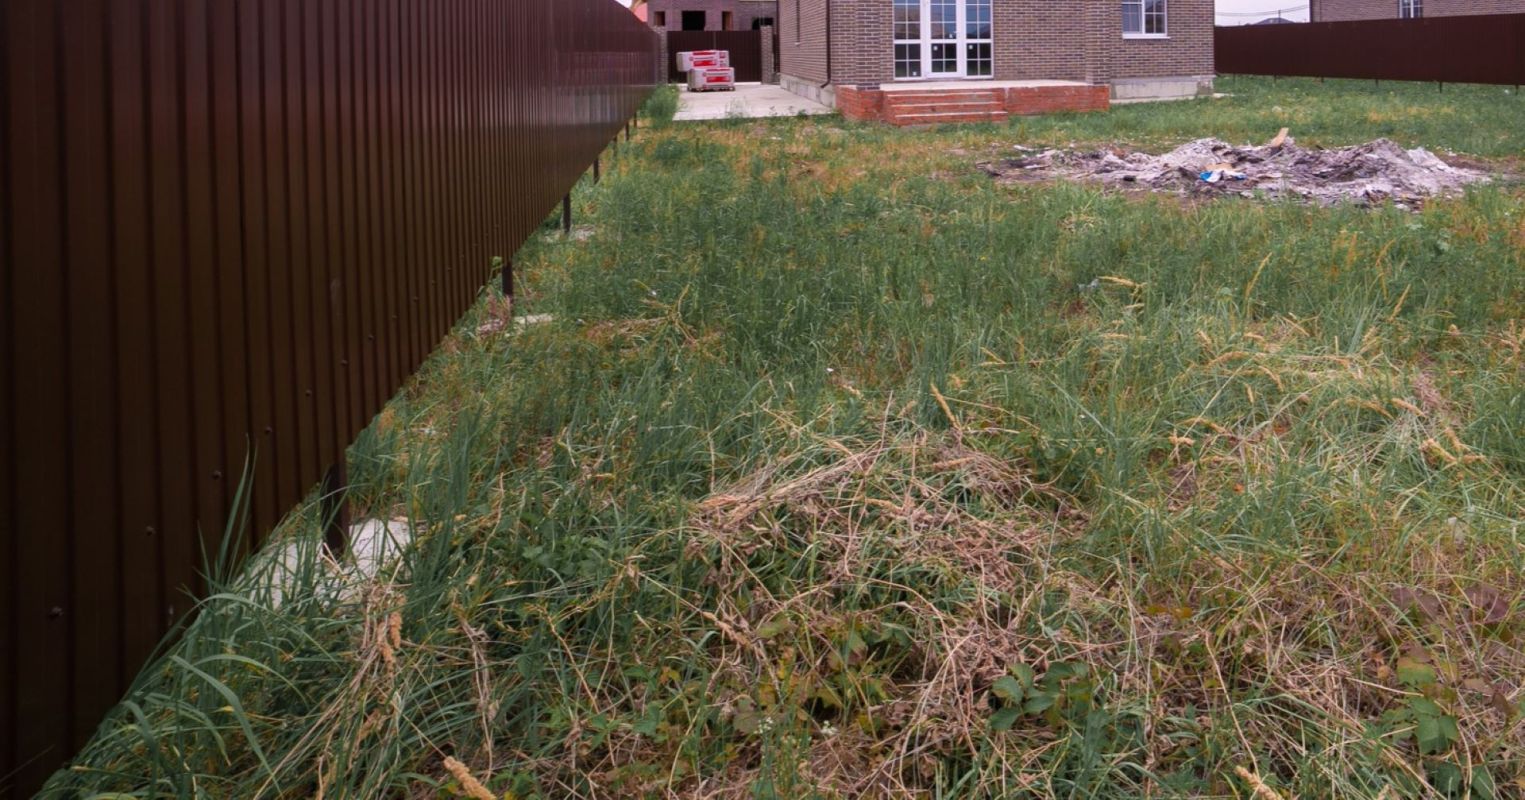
{"points": [[1143, 17], [916, 45], [1410, 9]]}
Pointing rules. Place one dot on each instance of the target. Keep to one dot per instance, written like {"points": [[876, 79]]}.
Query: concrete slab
{"points": [[749, 101]]}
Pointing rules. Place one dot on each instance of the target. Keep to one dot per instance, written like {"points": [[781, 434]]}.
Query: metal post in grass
{"points": [[508, 281], [597, 169], [566, 214], [335, 508]]}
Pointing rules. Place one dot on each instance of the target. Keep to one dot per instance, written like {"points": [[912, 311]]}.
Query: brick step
{"points": [[946, 118], [954, 96], [948, 107]]}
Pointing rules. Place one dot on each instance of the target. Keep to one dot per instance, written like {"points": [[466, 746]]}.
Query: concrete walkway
{"points": [[749, 101]]}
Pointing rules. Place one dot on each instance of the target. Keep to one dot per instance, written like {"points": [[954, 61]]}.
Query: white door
{"points": [[941, 39]]}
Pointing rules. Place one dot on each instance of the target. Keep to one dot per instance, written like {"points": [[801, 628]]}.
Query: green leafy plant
{"points": [[1066, 689]]}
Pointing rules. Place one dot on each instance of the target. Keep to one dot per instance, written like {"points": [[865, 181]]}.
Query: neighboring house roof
{"points": [[1275, 21], [639, 12]]}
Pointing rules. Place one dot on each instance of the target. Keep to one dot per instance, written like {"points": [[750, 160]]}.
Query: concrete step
{"points": [[948, 117]]}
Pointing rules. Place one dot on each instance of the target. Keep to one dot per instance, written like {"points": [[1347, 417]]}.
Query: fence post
{"points": [[566, 214], [597, 170], [508, 281], [336, 509]]}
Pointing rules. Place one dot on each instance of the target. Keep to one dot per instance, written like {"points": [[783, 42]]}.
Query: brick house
{"points": [[1346, 10], [711, 15], [912, 61]]}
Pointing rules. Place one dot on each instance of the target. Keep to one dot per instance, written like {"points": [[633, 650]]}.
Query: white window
{"points": [[1144, 19], [1410, 9], [943, 39]]}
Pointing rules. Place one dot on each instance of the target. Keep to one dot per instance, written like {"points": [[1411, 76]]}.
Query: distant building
{"points": [[1346, 10], [711, 15], [1275, 21]]}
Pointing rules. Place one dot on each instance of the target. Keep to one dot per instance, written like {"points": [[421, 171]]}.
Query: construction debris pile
{"points": [[1372, 173]]}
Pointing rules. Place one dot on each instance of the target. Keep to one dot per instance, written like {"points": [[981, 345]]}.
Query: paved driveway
{"points": [[749, 101]]}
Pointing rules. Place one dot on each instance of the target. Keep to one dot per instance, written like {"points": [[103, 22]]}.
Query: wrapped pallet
{"points": [[712, 79]]}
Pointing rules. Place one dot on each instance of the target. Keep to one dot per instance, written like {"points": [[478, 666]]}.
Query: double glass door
{"points": [[943, 39]]}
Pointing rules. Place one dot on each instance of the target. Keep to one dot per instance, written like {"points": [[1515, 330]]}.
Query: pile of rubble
{"points": [[1372, 173]]}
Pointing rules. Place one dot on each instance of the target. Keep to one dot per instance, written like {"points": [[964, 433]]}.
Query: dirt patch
{"points": [[1369, 174]]}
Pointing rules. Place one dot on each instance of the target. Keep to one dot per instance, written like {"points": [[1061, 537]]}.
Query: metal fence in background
{"points": [[236, 224], [1477, 49], [745, 48]]}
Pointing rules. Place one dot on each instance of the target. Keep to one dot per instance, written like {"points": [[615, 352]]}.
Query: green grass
{"points": [[832, 477], [1472, 119]]}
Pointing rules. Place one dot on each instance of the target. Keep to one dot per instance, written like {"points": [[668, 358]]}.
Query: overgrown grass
{"points": [[1474, 119], [843, 471]]}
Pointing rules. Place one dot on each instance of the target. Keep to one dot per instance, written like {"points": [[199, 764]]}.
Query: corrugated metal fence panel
{"points": [[236, 224], [1477, 49]]}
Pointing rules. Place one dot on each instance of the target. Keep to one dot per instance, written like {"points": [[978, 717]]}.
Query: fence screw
{"points": [[336, 509], [566, 214]]}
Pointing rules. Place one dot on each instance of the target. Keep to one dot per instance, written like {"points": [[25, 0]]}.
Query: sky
{"points": [[1233, 12]]}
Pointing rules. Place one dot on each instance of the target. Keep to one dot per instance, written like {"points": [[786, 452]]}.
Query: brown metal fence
{"points": [[1478, 49], [228, 224], [745, 48]]}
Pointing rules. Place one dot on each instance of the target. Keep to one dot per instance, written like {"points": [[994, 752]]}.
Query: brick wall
{"points": [[862, 36], [1040, 39], [743, 12], [1187, 50], [860, 104], [1347, 10], [769, 68], [802, 39], [1051, 99]]}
